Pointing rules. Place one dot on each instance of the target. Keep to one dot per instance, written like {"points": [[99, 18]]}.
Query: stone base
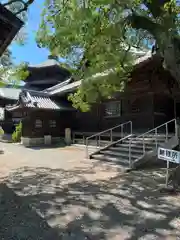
{"points": [[47, 140], [30, 142]]}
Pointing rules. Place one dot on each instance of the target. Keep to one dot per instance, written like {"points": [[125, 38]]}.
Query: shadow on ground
{"points": [[128, 206], [55, 145], [19, 221]]}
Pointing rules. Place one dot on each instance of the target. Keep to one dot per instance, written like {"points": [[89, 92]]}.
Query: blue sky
{"points": [[30, 52]]}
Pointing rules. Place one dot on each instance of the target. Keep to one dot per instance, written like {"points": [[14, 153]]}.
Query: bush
{"points": [[1, 131], [16, 136]]}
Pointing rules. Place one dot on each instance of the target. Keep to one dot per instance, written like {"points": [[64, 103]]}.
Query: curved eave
{"points": [[48, 68], [12, 108]]}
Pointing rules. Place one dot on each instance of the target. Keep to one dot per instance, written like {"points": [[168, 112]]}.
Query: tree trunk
{"points": [[171, 55]]}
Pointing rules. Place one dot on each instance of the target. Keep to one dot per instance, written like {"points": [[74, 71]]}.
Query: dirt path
{"points": [[56, 194]]}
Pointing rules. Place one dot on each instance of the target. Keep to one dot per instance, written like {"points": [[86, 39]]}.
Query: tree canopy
{"points": [[8, 70], [104, 32]]}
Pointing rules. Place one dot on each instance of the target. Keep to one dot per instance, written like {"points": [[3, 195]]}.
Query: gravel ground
{"points": [[56, 194]]}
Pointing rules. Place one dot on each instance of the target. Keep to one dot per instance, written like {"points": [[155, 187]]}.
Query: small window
{"points": [[113, 109], [38, 123], [52, 123]]}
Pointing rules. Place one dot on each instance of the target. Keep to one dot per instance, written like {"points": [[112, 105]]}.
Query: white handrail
{"points": [[109, 130], [164, 124], [142, 136]]}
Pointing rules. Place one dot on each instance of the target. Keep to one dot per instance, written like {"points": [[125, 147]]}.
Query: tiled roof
{"points": [[57, 86], [66, 88], [36, 100]]}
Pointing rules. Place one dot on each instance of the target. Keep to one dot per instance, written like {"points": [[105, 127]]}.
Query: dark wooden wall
{"points": [[147, 101], [62, 121]]}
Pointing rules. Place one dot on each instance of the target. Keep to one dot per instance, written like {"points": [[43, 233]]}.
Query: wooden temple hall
{"points": [[150, 99]]}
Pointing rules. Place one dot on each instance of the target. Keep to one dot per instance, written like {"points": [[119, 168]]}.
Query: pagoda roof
{"points": [[46, 72], [49, 63]]}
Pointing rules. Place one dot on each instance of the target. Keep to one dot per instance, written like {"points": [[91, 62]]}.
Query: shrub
{"points": [[16, 136], [1, 131]]}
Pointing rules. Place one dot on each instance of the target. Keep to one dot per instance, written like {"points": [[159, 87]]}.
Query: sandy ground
{"points": [[56, 194]]}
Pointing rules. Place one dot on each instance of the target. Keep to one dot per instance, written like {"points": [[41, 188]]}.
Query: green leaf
{"points": [[104, 32]]}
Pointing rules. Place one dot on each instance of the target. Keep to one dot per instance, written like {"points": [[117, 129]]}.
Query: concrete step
{"points": [[120, 161], [134, 146], [126, 149], [91, 142], [139, 142], [153, 137], [120, 154], [147, 144]]}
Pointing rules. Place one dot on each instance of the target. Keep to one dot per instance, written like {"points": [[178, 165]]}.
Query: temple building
{"points": [[41, 76], [149, 99]]}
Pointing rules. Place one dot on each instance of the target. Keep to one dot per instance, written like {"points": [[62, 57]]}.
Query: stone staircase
{"points": [[119, 152], [134, 150]]}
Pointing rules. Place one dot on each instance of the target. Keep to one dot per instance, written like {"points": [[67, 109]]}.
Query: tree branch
{"points": [[124, 57], [141, 22], [155, 6]]}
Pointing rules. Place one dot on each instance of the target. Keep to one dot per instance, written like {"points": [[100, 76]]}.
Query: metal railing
{"points": [[154, 138], [109, 134]]}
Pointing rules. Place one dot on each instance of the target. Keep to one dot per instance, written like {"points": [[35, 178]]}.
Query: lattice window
{"points": [[113, 109], [38, 123], [52, 123]]}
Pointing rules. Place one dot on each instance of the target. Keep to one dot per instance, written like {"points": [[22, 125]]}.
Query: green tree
{"points": [[105, 32], [7, 68]]}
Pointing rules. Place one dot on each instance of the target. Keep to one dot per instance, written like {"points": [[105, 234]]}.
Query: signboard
{"points": [[169, 155]]}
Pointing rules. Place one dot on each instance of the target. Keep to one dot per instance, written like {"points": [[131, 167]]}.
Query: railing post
{"points": [[111, 137], [96, 141], [122, 131], [131, 127], [87, 152], [99, 141], [156, 137], [167, 132], [176, 128], [144, 150], [73, 136], [130, 162]]}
